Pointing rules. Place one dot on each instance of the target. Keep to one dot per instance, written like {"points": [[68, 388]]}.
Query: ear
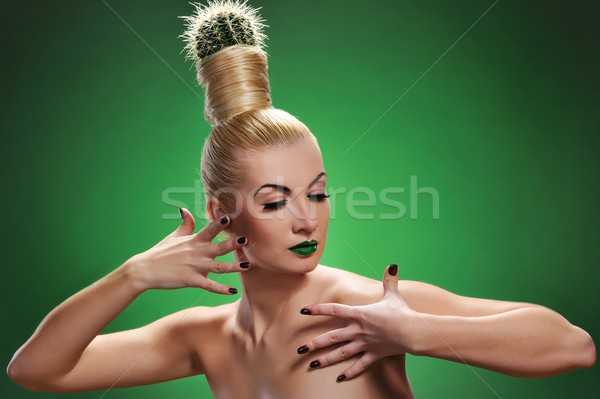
{"points": [[214, 209]]}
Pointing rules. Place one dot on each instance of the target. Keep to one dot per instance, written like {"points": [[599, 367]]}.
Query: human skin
{"points": [[248, 348]]}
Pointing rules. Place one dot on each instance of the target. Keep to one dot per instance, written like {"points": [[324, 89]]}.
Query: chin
{"points": [[304, 265], [289, 262]]}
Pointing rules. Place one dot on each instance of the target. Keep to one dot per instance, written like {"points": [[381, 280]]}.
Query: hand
{"points": [[372, 332], [183, 259]]}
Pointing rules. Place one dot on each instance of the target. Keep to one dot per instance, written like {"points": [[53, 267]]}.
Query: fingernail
{"points": [[304, 311], [242, 240], [224, 220], [245, 265], [393, 269], [181, 213], [233, 290], [341, 378], [314, 364], [302, 349]]}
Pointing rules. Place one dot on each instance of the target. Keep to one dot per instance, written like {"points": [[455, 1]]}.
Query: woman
{"points": [[300, 329]]}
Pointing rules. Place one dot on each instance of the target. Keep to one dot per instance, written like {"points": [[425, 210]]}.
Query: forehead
{"points": [[291, 165]]}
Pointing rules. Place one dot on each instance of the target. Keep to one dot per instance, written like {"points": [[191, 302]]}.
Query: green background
{"points": [[98, 121]]}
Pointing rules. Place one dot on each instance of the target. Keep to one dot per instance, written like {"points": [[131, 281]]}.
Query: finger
{"points": [[187, 226], [227, 267], [209, 232], [357, 368], [340, 354], [217, 288], [331, 309], [224, 247], [390, 279], [327, 339]]}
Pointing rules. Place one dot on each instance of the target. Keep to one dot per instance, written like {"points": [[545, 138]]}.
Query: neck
{"points": [[268, 298]]}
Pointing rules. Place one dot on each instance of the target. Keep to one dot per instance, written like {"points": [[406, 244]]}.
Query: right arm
{"points": [[66, 352]]}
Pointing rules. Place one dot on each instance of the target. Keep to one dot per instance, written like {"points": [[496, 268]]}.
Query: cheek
{"points": [[268, 237], [263, 230], [269, 229], [249, 223], [323, 214]]}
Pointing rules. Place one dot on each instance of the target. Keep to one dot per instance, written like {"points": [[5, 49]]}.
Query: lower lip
{"points": [[305, 250]]}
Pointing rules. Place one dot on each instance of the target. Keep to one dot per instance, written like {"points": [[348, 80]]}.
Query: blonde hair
{"points": [[238, 105]]}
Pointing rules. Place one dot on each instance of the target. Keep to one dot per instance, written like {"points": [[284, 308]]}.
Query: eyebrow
{"points": [[286, 189]]}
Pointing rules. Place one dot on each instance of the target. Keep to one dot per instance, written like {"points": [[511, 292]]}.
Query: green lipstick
{"points": [[305, 247]]}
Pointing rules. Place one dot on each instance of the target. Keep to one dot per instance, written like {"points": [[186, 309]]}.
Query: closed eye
{"points": [[318, 197], [278, 204], [274, 205]]}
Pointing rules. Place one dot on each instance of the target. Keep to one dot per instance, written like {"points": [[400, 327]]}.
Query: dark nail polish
{"points": [[393, 269], [341, 378], [245, 265], [302, 349], [181, 213], [242, 240], [304, 311], [314, 364], [224, 220], [233, 290]]}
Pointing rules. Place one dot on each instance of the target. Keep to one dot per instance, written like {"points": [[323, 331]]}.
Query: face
{"points": [[283, 205]]}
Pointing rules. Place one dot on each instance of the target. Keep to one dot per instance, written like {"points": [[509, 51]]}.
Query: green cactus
{"points": [[220, 24]]}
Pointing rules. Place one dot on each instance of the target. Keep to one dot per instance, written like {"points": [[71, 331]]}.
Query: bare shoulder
{"points": [[199, 320], [200, 328], [354, 289], [351, 288], [188, 325]]}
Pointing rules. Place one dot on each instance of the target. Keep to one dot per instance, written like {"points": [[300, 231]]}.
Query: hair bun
{"points": [[220, 24], [225, 39]]}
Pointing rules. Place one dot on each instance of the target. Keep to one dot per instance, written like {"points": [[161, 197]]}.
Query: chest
{"points": [[272, 368]]}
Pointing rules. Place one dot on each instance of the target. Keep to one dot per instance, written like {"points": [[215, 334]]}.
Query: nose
{"points": [[305, 217]]}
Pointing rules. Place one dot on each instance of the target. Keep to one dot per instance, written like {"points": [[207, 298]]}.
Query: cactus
{"points": [[220, 24]]}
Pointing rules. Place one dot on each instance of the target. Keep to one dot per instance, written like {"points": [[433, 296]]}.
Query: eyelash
{"points": [[276, 205]]}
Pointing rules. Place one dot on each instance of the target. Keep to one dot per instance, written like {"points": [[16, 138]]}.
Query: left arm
{"points": [[518, 339], [527, 342]]}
